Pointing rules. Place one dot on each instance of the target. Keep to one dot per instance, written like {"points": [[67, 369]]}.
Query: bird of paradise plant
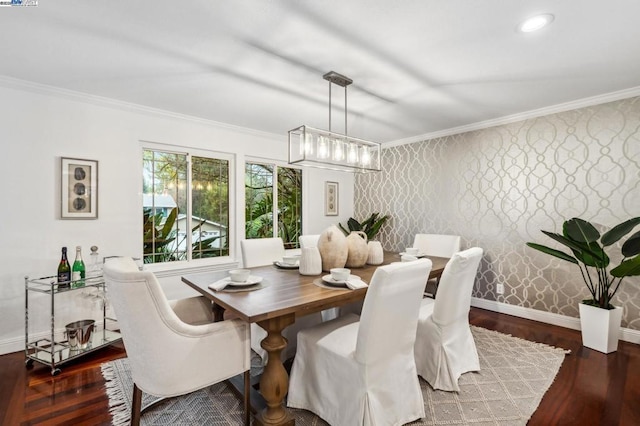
{"points": [[587, 247]]}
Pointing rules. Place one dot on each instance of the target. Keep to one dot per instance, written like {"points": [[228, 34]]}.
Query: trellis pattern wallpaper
{"points": [[498, 187]]}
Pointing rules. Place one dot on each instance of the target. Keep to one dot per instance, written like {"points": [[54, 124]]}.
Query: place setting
{"points": [[288, 262], [340, 279], [238, 280], [411, 253]]}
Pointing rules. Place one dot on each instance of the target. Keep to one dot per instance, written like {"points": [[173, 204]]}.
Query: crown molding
{"points": [[540, 112], [43, 89], [18, 84]]}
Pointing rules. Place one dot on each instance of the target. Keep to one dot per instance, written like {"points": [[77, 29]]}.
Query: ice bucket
{"points": [[79, 333]]}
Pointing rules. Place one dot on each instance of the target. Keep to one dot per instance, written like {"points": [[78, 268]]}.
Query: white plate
{"points": [[327, 279], [286, 265], [252, 280], [416, 255]]}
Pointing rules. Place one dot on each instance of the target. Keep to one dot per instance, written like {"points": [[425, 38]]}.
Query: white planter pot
{"points": [[600, 327]]}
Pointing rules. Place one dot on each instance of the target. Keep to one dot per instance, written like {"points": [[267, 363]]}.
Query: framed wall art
{"points": [[79, 188], [331, 198]]}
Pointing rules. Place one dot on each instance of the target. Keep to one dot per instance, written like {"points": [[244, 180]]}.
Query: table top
{"points": [[288, 292]]}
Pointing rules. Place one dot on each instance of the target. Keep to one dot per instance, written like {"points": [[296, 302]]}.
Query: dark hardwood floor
{"points": [[590, 389]]}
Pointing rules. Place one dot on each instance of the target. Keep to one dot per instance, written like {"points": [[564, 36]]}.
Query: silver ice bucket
{"points": [[79, 333]]}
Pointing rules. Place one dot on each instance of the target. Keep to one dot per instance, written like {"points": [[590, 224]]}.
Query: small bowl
{"points": [[413, 251], [290, 260], [239, 275], [340, 274]]}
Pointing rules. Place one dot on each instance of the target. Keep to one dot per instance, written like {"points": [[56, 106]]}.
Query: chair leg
{"points": [[436, 289], [136, 406], [247, 393]]}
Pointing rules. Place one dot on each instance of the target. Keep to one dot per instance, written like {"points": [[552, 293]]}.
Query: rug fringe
{"points": [[117, 404]]}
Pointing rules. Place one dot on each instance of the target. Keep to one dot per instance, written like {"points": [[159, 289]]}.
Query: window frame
{"points": [[190, 152], [274, 207]]}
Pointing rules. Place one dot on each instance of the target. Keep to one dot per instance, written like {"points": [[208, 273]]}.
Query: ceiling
{"points": [[418, 66]]}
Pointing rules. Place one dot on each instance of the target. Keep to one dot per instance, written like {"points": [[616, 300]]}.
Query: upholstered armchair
{"points": [[170, 357]]}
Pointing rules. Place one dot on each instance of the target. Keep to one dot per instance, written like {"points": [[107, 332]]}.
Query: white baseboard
{"points": [[626, 334], [16, 344]]}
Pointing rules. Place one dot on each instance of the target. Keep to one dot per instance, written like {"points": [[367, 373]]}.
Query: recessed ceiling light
{"points": [[535, 23]]}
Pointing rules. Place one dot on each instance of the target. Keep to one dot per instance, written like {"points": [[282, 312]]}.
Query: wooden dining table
{"points": [[284, 296]]}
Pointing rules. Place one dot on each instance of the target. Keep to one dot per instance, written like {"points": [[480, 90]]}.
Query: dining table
{"points": [[283, 295]]}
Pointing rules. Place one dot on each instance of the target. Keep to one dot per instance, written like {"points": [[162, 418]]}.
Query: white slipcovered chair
{"points": [[261, 252], [169, 357], [361, 370], [439, 245], [309, 240], [445, 348]]}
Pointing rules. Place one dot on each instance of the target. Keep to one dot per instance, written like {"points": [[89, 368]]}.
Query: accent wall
{"points": [[498, 187]]}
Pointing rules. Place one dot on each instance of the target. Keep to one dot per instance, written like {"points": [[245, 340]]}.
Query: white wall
{"points": [[38, 125]]}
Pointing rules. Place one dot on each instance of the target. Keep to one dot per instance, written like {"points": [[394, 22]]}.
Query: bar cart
{"points": [[50, 351]]}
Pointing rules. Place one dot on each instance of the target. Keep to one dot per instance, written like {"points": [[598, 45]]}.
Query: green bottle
{"points": [[64, 271], [78, 270]]}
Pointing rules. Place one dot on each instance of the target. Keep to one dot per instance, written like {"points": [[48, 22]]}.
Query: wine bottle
{"points": [[64, 271], [78, 270]]}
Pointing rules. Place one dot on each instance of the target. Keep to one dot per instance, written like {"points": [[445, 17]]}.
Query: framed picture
{"points": [[79, 188], [331, 198]]}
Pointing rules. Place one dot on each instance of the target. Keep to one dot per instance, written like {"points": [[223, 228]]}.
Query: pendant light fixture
{"points": [[329, 150]]}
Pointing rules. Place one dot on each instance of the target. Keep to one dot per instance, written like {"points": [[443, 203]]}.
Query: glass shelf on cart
{"points": [[60, 351], [51, 284]]}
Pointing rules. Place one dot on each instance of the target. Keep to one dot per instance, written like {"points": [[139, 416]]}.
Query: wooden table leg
{"points": [[274, 383], [218, 313]]}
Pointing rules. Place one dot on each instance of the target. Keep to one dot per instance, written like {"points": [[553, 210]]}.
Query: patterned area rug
{"points": [[514, 376]]}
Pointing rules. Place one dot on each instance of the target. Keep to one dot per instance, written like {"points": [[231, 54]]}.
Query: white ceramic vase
{"points": [[310, 261], [333, 248], [375, 253], [600, 327], [358, 250]]}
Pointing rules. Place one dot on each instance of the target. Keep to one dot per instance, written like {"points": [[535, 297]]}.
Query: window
{"points": [[261, 199], [185, 205]]}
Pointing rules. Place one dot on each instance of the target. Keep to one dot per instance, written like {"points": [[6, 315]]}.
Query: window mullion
{"points": [[188, 221], [274, 189]]}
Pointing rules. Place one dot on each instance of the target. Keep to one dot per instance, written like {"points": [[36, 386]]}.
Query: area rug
{"points": [[514, 376]]}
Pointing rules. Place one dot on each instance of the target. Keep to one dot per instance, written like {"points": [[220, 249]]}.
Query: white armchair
{"points": [[261, 252], [169, 357], [361, 371], [439, 245], [445, 348]]}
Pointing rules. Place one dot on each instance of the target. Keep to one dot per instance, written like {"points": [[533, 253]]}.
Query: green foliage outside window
{"points": [[166, 227], [259, 195]]}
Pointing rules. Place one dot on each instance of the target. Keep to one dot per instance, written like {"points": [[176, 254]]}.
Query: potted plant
{"points": [[373, 254], [370, 226], [588, 252]]}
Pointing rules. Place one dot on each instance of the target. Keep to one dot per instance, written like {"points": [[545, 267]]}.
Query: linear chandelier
{"points": [[329, 150]]}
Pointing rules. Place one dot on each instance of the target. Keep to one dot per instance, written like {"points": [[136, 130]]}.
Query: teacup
{"points": [[413, 251], [290, 260], [340, 274], [239, 275]]}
